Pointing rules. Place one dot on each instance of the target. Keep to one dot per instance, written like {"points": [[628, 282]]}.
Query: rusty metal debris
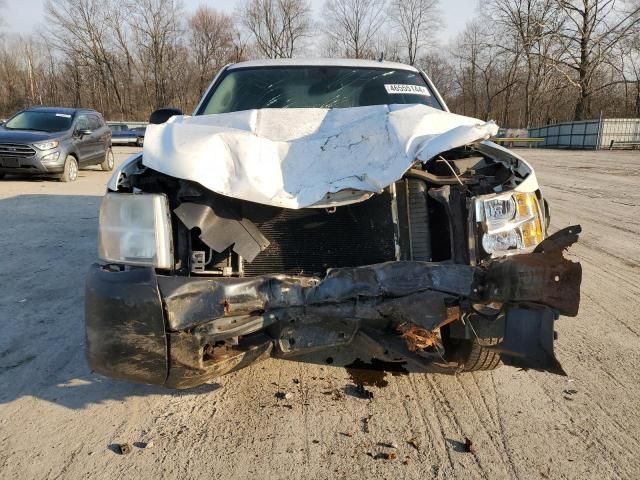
{"points": [[417, 338]]}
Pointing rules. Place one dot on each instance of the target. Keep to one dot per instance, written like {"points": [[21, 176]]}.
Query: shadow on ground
{"points": [[47, 243]]}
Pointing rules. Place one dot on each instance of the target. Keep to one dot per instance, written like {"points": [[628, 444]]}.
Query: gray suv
{"points": [[53, 140]]}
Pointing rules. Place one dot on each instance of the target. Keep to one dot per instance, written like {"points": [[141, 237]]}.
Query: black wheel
{"points": [[2, 175], [139, 142], [70, 173], [476, 356], [109, 162]]}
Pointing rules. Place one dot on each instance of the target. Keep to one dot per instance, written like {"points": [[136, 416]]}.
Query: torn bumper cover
{"points": [[183, 331]]}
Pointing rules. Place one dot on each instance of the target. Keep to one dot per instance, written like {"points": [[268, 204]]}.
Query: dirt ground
{"points": [[57, 420]]}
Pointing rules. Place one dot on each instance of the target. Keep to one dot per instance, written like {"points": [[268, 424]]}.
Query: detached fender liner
{"points": [[125, 325]]}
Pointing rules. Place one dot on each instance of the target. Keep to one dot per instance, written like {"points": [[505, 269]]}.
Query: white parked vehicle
{"points": [[324, 210]]}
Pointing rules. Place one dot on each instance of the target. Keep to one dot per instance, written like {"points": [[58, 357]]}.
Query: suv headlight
{"points": [[513, 222], [46, 145], [135, 229]]}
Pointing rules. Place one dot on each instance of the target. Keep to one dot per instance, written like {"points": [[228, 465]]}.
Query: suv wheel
{"points": [[2, 175], [139, 142], [109, 162], [70, 173]]}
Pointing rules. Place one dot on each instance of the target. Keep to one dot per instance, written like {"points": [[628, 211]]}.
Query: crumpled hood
{"points": [[301, 157]]}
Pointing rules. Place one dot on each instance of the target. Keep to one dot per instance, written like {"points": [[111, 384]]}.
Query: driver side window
{"points": [[83, 123]]}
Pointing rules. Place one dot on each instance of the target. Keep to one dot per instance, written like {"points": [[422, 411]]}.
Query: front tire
{"points": [[139, 142], [109, 162], [477, 357], [70, 173]]}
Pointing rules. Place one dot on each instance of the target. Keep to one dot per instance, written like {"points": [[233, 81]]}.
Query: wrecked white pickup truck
{"points": [[324, 211]]}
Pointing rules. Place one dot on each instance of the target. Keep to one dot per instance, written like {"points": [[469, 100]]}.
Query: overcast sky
{"points": [[24, 16]]}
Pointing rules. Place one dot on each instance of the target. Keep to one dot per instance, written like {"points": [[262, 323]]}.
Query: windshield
{"points": [[40, 121], [316, 87]]}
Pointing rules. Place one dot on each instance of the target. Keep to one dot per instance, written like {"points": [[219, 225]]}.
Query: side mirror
{"points": [[83, 132], [163, 114]]}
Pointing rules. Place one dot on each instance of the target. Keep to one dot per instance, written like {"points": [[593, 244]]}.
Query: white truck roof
{"points": [[322, 62]]}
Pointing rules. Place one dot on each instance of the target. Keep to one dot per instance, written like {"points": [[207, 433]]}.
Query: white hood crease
{"points": [[301, 157]]}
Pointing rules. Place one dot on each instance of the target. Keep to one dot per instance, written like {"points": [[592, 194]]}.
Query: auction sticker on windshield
{"points": [[410, 89]]}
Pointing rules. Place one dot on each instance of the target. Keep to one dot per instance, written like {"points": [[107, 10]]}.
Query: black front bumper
{"points": [[183, 331], [33, 165]]}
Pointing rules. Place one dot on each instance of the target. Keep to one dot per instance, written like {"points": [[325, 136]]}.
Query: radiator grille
{"points": [[15, 150], [309, 241]]}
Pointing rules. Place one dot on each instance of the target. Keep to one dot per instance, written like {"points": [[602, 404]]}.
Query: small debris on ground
{"points": [[365, 423], [148, 444], [315, 441], [335, 394], [363, 392], [296, 381], [414, 444], [284, 395], [122, 448], [346, 434], [383, 455], [388, 445], [468, 446]]}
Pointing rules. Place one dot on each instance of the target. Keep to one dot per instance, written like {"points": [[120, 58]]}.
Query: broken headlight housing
{"points": [[513, 222], [135, 229]]}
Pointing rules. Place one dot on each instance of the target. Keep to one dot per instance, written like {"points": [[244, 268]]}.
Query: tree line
{"points": [[521, 62]]}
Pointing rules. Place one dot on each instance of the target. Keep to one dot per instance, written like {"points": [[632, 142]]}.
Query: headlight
{"points": [[50, 157], [135, 229], [512, 222], [46, 145]]}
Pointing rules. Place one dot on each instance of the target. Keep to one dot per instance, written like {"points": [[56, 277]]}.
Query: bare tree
{"points": [[593, 29], [211, 42], [625, 61], [353, 25], [157, 29], [528, 30], [277, 26], [416, 21], [2, 6], [79, 28]]}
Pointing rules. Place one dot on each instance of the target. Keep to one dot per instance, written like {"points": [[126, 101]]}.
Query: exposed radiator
{"points": [[309, 241]]}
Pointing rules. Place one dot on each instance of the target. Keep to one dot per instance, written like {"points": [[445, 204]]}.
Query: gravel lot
{"points": [[57, 420]]}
